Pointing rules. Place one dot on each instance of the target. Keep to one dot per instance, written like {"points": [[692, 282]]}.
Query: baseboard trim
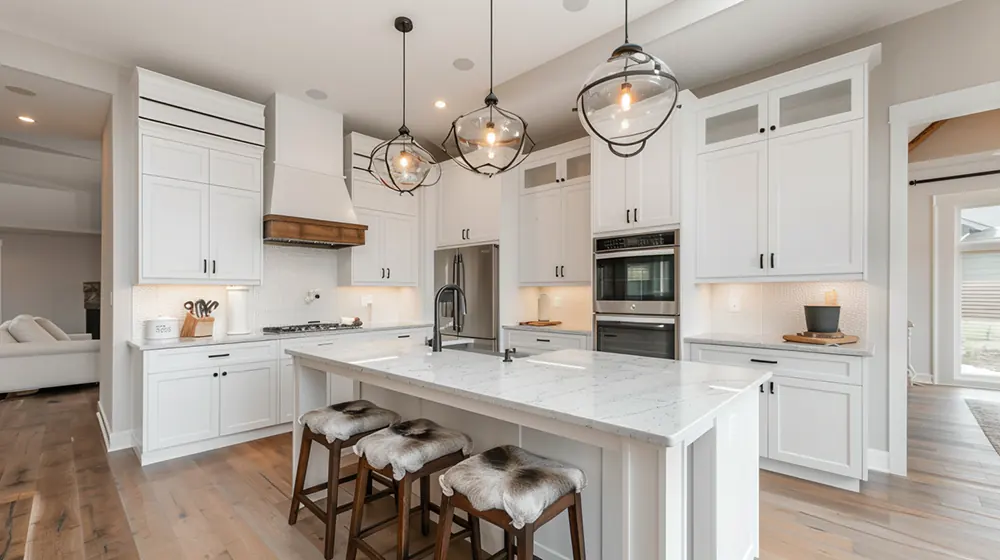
{"points": [[812, 475], [878, 460], [113, 441], [159, 455], [923, 379], [103, 425]]}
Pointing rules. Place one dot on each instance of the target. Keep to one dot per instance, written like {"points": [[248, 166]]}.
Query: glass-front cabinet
{"points": [[733, 124], [564, 170]]}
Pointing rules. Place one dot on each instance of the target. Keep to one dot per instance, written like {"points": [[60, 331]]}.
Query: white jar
{"points": [[162, 328]]}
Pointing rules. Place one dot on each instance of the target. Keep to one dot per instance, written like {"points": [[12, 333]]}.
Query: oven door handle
{"points": [[646, 320], [637, 253]]}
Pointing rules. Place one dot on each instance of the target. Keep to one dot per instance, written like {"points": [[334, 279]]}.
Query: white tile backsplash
{"points": [[777, 308], [573, 305]]}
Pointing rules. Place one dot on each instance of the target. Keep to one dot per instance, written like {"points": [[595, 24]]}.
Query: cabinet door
{"points": [[541, 237], [817, 425], [367, 263], [174, 160], [236, 171], [609, 197], [732, 212], [174, 229], [816, 197], [733, 124], [183, 407], [576, 168], [822, 101], [236, 237], [481, 208], [539, 174], [400, 247], [651, 185], [451, 216], [577, 263], [286, 392], [246, 398], [765, 397]]}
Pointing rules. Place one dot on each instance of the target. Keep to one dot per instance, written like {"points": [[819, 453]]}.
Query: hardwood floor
{"points": [[61, 496]]}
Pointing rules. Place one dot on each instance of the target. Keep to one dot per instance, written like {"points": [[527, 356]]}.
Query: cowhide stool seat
{"points": [[407, 452], [336, 427], [517, 491]]}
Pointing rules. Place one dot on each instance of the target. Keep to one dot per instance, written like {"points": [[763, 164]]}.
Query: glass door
{"points": [[823, 101], [979, 295], [733, 124], [636, 282]]}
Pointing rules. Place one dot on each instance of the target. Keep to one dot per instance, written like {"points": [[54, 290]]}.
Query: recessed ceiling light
{"points": [[25, 118], [20, 91], [575, 5], [463, 64], [440, 104], [317, 94]]}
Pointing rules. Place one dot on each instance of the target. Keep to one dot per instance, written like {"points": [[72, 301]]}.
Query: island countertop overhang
{"points": [[650, 400]]}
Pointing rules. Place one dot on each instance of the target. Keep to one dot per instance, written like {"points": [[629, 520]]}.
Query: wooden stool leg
{"points": [[576, 528], [403, 535], [357, 513], [425, 505], [333, 485], [300, 476], [508, 545], [445, 518], [477, 538], [526, 543], [370, 488]]}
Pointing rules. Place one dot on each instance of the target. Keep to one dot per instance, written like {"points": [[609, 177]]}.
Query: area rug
{"points": [[987, 413]]}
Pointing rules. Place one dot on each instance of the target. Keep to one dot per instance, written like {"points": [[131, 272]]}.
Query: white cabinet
{"points": [[762, 420], [388, 257], [468, 207], [817, 425], [641, 192], [733, 123], [235, 229], [246, 398], [175, 160], [823, 100], [366, 191], [565, 165], [182, 407], [286, 391], [235, 171], [174, 220], [540, 341], [554, 234]]}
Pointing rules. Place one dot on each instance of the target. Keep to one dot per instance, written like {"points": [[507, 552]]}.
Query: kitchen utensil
{"points": [[162, 328], [210, 307], [810, 338], [191, 307]]}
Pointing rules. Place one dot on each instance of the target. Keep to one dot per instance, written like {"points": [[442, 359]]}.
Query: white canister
{"points": [[237, 310], [544, 313], [162, 328]]}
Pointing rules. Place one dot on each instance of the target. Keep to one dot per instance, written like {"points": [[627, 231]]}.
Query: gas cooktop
{"points": [[309, 328]]}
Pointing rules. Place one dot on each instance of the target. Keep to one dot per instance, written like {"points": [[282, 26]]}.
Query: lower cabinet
{"points": [[246, 398], [286, 386], [183, 407], [538, 342]]}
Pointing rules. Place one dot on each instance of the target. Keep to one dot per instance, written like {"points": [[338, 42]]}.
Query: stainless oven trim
{"points": [[635, 319], [637, 307], [640, 307], [635, 253]]}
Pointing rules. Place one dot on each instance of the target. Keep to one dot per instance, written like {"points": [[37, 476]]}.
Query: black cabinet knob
{"points": [[225, 373], [762, 131], [216, 374], [774, 127]]}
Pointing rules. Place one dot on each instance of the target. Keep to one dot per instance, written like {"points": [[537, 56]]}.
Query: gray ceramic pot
{"points": [[822, 318]]}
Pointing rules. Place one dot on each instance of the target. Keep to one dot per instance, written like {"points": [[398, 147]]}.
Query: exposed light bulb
{"points": [[491, 137], [625, 99], [403, 161]]}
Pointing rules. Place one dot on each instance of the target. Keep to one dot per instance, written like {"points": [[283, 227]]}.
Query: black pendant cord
{"points": [[626, 21], [492, 95], [404, 79]]}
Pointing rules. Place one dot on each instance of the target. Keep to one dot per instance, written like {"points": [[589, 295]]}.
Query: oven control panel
{"points": [[634, 242]]}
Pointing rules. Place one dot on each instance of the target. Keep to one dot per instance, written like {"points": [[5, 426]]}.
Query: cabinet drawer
{"points": [[545, 342], [211, 356], [235, 171], [175, 160], [802, 365]]}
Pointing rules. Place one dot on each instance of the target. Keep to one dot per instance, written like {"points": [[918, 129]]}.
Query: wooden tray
{"points": [[540, 323], [846, 339]]}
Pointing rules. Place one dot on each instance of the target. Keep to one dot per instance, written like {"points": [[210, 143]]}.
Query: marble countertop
{"points": [[554, 330], [656, 401], [863, 348], [141, 344]]}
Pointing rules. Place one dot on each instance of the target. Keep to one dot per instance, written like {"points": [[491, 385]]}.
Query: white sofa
{"points": [[26, 366]]}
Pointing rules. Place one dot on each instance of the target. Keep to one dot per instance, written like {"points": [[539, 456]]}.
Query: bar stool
{"points": [[336, 427], [515, 490], [409, 451]]}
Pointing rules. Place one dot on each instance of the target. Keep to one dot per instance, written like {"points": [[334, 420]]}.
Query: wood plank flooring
{"points": [[61, 496]]}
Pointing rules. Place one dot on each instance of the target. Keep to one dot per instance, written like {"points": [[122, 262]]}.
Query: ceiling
{"points": [[59, 109], [544, 52]]}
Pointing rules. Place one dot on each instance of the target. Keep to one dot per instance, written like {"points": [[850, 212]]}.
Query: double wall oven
{"points": [[635, 294]]}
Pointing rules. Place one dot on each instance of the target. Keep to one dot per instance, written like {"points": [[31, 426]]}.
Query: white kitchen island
{"points": [[670, 448]]}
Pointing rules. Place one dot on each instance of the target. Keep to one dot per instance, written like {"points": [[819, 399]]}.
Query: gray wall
{"points": [[938, 52]]}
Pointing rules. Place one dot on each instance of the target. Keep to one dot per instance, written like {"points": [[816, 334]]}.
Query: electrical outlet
{"points": [[367, 300]]}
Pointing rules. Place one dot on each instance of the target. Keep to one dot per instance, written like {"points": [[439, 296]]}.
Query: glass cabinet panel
{"points": [[732, 125], [578, 167], [817, 103], [540, 175]]}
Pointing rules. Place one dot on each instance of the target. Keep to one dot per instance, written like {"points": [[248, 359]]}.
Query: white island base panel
{"points": [[697, 499]]}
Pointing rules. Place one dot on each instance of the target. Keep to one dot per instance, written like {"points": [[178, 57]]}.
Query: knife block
{"points": [[197, 327]]}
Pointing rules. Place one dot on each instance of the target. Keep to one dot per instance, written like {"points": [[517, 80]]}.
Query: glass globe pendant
{"points": [[628, 98], [489, 140], [402, 164]]}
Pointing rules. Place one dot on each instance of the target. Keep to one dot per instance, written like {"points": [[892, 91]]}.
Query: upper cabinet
{"points": [[200, 184], [564, 166], [468, 207], [782, 180], [554, 233], [642, 192]]}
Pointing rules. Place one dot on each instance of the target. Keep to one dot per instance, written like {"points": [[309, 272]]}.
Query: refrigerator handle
{"points": [[460, 306]]}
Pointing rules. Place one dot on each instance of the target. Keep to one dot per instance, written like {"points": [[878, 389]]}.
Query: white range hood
{"points": [[305, 196]]}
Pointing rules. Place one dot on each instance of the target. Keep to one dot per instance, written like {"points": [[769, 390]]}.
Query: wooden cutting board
{"points": [[540, 323], [847, 339]]}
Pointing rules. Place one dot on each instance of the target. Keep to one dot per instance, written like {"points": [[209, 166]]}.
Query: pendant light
{"points": [[489, 140], [628, 98], [402, 164]]}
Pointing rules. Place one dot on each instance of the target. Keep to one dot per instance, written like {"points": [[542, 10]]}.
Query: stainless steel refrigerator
{"points": [[475, 270]]}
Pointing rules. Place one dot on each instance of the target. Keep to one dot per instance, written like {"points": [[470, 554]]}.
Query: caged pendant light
{"points": [[628, 98], [402, 164], [489, 140]]}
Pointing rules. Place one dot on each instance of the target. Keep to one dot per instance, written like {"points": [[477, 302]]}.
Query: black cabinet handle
{"points": [[216, 374], [388, 273], [219, 356], [756, 361], [772, 260], [557, 271], [610, 335], [403, 336], [772, 387], [204, 266], [762, 261], [628, 216], [761, 387], [325, 344], [562, 271], [635, 215], [225, 373], [542, 340], [383, 274]]}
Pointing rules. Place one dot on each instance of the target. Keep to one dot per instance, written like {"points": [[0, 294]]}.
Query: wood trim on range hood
{"points": [[306, 232]]}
